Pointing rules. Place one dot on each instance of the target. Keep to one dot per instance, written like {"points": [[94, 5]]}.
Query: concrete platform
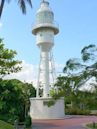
{"points": [[40, 110]]}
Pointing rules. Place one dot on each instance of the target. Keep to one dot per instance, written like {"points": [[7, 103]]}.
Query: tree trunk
{"points": [[1, 7]]}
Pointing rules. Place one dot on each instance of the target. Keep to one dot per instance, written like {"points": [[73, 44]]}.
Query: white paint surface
{"points": [[38, 110]]}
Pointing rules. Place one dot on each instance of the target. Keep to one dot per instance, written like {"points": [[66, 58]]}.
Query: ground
{"points": [[71, 122], [4, 125]]}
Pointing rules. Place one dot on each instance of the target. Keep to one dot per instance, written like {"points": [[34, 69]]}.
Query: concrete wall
{"points": [[38, 109]]}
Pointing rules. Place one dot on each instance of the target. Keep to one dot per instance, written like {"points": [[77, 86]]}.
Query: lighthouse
{"points": [[45, 29]]}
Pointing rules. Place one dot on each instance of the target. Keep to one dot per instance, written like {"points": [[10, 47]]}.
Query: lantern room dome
{"points": [[44, 14]]}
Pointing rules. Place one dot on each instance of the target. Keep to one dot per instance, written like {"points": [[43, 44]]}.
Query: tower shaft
{"points": [[44, 29], [45, 65]]}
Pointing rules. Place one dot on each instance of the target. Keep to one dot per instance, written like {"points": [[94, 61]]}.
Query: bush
{"points": [[28, 122], [92, 125], [77, 111], [8, 118]]}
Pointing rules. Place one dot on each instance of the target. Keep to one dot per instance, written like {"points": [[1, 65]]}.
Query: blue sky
{"points": [[77, 21]]}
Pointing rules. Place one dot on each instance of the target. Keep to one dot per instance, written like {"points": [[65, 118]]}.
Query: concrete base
{"points": [[40, 110]]}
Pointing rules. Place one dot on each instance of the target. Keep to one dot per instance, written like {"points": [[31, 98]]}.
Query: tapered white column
{"points": [[45, 67]]}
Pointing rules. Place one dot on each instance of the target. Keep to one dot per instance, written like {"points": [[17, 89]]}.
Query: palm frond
{"points": [[1, 6], [29, 2], [88, 52], [22, 6], [73, 64]]}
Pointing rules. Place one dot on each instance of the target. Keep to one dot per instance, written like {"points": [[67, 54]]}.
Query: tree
{"points": [[22, 4], [14, 97], [27, 91], [7, 62], [77, 72], [84, 68]]}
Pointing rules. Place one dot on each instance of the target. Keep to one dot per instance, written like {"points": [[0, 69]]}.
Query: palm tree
{"points": [[22, 4]]}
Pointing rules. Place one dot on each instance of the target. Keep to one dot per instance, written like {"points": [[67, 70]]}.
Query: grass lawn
{"points": [[4, 125], [92, 126]]}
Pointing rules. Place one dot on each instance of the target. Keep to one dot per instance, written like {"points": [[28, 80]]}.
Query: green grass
{"points": [[91, 126], [4, 125]]}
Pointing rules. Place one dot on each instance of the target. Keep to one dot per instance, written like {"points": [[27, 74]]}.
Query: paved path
{"points": [[74, 122]]}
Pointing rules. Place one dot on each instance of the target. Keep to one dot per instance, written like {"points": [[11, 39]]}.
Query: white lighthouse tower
{"points": [[45, 29]]}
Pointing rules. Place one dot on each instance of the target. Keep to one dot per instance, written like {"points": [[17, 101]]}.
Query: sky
{"points": [[77, 21]]}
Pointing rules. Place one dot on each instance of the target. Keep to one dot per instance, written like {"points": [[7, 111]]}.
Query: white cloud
{"points": [[29, 73]]}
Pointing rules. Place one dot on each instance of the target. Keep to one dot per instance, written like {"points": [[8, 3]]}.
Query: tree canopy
{"points": [[14, 99], [8, 63], [77, 72], [84, 68], [14, 94]]}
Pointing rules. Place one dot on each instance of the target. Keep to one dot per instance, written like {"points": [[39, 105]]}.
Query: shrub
{"points": [[28, 122], [8, 118], [92, 125], [77, 111]]}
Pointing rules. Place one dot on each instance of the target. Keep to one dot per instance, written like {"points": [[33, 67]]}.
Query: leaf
{"points": [[88, 52], [73, 64], [22, 6], [7, 63]]}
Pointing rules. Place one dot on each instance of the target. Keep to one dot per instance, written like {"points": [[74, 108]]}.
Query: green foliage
{"points": [[8, 118], [52, 92], [7, 62], [92, 125], [84, 67], [88, 52], [72, 64], [14, 99], [22, 4], [4, 125], [28, 122], [77, 111], [49, 103], [76, 73], [14, 95]]}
